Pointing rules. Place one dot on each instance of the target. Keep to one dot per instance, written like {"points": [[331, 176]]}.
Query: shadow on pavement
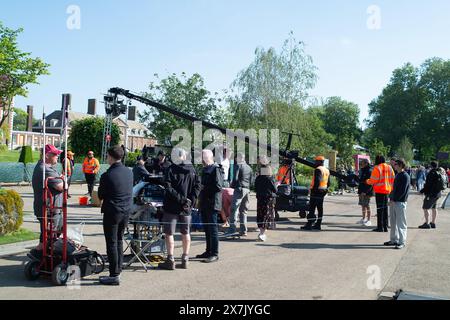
{"points": [[309, 246]]}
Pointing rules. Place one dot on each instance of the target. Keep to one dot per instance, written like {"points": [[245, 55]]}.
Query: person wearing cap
{"points": [[69, 163], [91, 167], [319, 189], [56, 187]]}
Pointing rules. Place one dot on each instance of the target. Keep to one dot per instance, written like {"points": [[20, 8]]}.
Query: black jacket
{"points": [[265, 187], [139, 172], [363, 187], [432, 186], [401, 187], [116, 190], [242, 176], [159, 168], [212, 184], [181, 183]]}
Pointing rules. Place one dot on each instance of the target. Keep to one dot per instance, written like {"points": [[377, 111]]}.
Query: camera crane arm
{"points": [[160, 106]]}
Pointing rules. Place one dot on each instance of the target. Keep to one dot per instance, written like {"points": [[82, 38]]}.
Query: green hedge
{"points": [[11, 211], [26, 155]]}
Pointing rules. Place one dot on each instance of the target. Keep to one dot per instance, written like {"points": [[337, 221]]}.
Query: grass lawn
{"points": [[19, 236], [13, 156]]}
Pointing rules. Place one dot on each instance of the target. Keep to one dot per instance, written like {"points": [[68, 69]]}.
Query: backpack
{"points": [[441, 180]]}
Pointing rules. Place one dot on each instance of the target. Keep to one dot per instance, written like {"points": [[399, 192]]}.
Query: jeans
{"points": [[240, 202], [114, 227], [399, 228], [209, 219], [316, 201], [420, 184], [90, 180], [382, 211]]}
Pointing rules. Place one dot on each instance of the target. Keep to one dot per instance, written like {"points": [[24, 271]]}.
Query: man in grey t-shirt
{"points": [[55, 185]]}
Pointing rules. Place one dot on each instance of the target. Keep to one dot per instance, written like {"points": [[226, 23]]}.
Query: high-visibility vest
{"points": [[91, 166], [323, 184], [283, 176], [69, 167], [382, 179]]}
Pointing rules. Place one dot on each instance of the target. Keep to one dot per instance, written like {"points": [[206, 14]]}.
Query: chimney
{"points": [[92, 106], [29, 119], [132, 113], [66, 101]]}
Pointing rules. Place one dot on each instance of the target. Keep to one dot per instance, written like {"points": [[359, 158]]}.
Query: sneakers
{"points": [[433, 225], [262, 237], [362, 221], [400, 246], [184, 262], [243, 234], [168, 264], [307, 227], [390, 244], [425, 226], [317, 227], [368, 223]]}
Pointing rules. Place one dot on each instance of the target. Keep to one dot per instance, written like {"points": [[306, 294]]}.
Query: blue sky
{"points": [[123, 43]]}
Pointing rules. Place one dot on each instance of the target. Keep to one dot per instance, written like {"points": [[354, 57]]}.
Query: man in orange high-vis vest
{"points": [[91, 167], [319, 189], [382, 180]]}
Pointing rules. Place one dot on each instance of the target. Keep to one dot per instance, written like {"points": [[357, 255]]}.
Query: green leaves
{"points": [[87, 134], [186, 94], [415, 104], [17, 70]]}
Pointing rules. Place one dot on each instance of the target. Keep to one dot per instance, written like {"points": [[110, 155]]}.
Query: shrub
{"points": [[132, 158], [11, 211], [3, 148], [26, 155]]}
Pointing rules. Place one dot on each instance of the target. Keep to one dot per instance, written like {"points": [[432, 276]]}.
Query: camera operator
{"points": [[139, 171], [159, 165], [182, 190]]}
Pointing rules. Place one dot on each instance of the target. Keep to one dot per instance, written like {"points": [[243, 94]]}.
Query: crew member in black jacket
{"points": [[365, 192], [433, 191], [116, 191], [211, 205], [398, 203], [182, 191]]}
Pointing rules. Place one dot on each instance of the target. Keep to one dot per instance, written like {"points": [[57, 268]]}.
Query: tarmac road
{"points": [[341, 262]]}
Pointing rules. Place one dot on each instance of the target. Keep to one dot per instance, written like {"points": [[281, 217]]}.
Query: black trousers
{"points": [[316, 201], [114, 227], [382, 211], [90, 180], [209, 219]]}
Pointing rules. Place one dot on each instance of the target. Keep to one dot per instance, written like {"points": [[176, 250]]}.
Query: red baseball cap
{"points": [[52, 149]]}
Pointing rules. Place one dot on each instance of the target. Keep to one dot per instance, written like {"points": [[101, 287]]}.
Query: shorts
{"points": [[170, 221], [430, 202], [364, 200]]}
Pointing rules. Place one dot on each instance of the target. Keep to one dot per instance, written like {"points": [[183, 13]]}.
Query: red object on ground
{"points": [[84, 201]]}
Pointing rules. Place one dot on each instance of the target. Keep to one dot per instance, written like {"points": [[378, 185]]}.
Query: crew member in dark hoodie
{"points": [[265, 195], [182, 191], [398, 203]]}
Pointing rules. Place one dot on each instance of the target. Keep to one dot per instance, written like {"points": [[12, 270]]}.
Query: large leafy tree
{"points": [[415, 104], [271, 93], [87, 134], [341, 120], [186, 94], [273, 79], [17, 70]]}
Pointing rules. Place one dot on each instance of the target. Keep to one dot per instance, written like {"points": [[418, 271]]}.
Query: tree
{"points": [[20, 120], [377, 148], [17, 70], [415, 104], [405, 150], [272, 79], [341, 120], [87, 135], [186, 94]]}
